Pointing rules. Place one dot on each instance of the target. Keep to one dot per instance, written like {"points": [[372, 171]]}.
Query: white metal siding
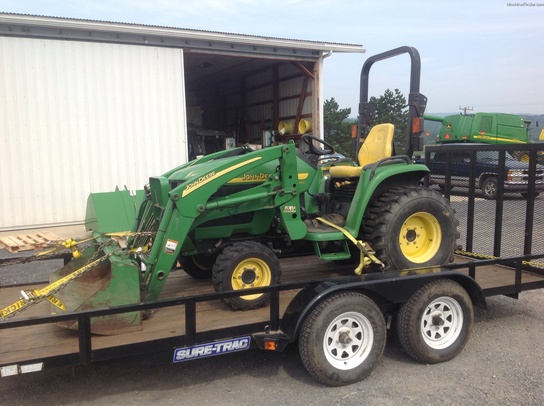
{"points": [[82, 117]]}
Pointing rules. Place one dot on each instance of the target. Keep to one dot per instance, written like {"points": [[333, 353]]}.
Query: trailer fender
{"points": [[392, 287]]}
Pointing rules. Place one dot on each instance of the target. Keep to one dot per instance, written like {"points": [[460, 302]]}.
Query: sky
{"points": [[486, 55]]}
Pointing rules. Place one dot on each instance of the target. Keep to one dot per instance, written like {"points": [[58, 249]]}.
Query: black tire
{"points": [[443, 188], [198, 266], [411, 226], [245, 265], [435, 324], [342, 339], [489, 187]]}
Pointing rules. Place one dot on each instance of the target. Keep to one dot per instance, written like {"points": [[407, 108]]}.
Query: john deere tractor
{"points": [[232, 214]]}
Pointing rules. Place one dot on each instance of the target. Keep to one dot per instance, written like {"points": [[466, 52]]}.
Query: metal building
{"points": [[89, 105]]}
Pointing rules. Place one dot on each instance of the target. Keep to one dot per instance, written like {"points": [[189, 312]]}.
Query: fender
{"points": [[378, 177], [392, 287]]}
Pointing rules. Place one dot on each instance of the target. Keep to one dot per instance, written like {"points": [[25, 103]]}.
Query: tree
{"points": [[337, 130], [392, 108]]}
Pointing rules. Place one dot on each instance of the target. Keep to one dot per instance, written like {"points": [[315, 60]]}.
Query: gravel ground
{"points": [[503, 364]]}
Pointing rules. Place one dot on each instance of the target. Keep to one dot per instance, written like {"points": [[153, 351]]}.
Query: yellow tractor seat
{"points": [[377, 145]]}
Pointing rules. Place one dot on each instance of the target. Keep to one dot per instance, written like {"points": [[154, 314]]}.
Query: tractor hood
{"points": [[200, 172]]}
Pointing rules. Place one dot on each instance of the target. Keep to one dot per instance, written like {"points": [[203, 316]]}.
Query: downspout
{"points": [[317, 121]]}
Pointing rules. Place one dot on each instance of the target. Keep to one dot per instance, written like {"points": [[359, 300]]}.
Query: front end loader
{"points": [[231, 215]]}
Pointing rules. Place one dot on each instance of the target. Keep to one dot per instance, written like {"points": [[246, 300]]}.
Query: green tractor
{"points": [[232, 214]]}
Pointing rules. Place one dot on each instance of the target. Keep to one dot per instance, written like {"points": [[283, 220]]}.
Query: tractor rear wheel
{"points": [[411, 226], [246, 265], [342, 338], [435, 324]]}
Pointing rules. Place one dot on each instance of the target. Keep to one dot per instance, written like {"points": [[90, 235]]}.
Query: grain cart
{"points": [[232, 214]]}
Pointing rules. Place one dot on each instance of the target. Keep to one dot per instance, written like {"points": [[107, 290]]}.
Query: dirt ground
{"points": [[503, 364]]}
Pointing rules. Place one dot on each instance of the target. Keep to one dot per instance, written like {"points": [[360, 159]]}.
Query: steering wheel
{"points": [[307, 138]]}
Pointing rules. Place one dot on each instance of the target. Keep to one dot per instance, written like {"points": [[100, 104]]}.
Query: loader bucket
{"points": [[112, 211], [113, 282]]}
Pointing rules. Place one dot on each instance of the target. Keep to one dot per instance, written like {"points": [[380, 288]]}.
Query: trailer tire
{"points": [[244, 265], [411, 226], [435, 324], [342, 339], [198, 266]]}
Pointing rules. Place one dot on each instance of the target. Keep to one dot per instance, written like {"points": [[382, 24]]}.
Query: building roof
{"points": [[33, 26]]}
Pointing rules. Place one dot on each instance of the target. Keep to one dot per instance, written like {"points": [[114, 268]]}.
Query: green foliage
{"points": [[391, 108], [336, 130]]}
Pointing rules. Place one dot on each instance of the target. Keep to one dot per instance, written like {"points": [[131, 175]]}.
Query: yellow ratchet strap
{"points": [[70, 243], [367, 254]]}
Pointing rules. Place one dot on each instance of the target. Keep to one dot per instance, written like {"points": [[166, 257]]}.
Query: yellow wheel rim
{"points": [[251, 273], [420, 237]]}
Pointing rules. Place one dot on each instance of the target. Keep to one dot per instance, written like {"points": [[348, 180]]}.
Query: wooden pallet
{"points": [[25, 242]]}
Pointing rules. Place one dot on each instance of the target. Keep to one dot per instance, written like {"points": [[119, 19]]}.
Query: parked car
{"points": [[486, 172]]}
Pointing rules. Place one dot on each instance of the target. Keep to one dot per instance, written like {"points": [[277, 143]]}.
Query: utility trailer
{"points": [[191, 321]]}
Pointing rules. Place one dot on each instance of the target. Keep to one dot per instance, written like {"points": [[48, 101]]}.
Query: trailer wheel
{"points": [[435, 324], [342, 339], [489, 187], [411, 226], [245, 265], [198, 266]]}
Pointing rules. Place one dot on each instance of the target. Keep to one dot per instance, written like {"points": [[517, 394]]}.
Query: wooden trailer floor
{"points": [[34, 342]]}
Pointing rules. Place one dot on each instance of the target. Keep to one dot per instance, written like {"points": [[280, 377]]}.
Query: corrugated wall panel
{"points": [[82, 117]]}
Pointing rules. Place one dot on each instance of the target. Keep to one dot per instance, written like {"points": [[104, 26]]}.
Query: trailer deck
{"points": [[168, 325]]}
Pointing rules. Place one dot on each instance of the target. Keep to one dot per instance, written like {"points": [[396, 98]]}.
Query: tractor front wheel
{"points": [[411, 226], [246, 265]]}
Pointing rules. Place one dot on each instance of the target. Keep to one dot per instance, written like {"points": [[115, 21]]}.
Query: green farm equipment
{"points": [[232, 214], [487, 128]]}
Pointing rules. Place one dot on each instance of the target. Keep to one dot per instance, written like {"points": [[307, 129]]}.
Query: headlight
{"points": [[515, 176]]}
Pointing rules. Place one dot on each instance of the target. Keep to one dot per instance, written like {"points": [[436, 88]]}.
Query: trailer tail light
{"points": [[270, 345]]}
